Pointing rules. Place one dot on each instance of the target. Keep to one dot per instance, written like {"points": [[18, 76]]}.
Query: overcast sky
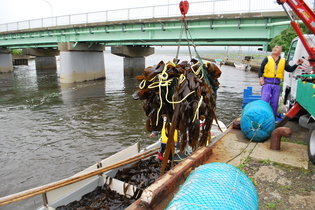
{"points": [[17, 10]]}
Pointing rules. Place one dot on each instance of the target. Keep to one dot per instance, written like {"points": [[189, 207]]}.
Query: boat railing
{"points": [[42, 190]]}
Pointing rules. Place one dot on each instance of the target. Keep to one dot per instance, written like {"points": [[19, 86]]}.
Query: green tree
{"points": [[285, 37], [16, 52]]}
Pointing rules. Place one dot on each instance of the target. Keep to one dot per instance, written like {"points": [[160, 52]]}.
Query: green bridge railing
{"points": [[210, 7]]}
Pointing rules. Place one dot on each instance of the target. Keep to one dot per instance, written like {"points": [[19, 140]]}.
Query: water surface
{"points": [[49, 131]]}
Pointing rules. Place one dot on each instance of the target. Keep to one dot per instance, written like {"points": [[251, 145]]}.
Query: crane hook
{"points": [[184, 6]]}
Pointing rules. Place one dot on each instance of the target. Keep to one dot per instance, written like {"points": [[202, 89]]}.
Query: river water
{"points": [[49, 131]]}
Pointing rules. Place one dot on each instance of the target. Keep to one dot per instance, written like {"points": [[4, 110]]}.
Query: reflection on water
{"points": [[230, 93], [50, 131]]}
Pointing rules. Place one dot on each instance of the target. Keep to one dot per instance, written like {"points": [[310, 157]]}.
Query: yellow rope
{"points": [[181, 79], [192, 68], [196, 116], [161, 102], [177, 102], [153, 78], [160, 83], [142, 84], [163, 76], [198, 70]]}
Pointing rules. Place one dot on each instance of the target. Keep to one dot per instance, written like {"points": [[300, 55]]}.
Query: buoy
{"points": [[257, 121], [216, 186]]}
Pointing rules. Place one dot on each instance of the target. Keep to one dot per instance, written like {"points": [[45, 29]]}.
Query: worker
{"points": [[270, 74], [164, 137], [163, 145]]}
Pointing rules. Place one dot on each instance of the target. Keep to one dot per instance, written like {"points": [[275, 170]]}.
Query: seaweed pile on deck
{"points": [[102, 198], [140, 174]]}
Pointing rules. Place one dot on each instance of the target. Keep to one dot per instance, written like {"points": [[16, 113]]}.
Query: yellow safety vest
{"points": [[164, 136], [273, 71]]}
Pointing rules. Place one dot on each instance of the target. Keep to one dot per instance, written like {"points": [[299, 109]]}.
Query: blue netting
{"points": [[216, 186], [257, 121]]}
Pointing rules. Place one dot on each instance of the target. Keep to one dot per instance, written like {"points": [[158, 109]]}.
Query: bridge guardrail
{"points": [[211, 7]]}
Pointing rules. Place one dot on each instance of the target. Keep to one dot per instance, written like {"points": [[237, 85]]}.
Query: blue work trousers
{"points": [[270, 93]]}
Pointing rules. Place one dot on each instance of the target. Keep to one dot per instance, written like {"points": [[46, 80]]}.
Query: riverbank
{"points": [[255, 64]]}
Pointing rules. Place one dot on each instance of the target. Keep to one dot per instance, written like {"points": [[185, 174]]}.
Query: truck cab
{"points": [[302, 92], [297, 50], [299, 86]]}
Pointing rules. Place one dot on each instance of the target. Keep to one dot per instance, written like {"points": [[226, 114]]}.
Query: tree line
{"points": [[285, 38]]}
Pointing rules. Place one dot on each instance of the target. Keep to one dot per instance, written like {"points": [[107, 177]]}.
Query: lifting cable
{"points": [[184, 6]]}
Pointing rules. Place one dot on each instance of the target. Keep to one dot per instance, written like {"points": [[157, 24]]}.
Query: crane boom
{"points": [[302, 10]]}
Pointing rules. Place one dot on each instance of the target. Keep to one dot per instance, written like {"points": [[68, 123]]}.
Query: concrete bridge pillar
{"points": [[81, 62], [6, 64], [134, 61], [265, 47], [45, 58]]}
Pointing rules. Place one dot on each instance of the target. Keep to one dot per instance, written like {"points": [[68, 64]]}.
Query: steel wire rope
{"points": [[202, 66], [211, 85], [200, 62], [186, 29], [184, 26], [179, 41]]}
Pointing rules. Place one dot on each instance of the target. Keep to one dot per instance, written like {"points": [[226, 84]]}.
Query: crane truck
{"points": [[299, 86]]}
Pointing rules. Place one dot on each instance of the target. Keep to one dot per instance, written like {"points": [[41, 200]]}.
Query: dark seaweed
{"points": [[102, 198], [141, 174]]}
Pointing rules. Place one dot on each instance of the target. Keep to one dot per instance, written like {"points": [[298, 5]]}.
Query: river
{"points": [[49, 131]]}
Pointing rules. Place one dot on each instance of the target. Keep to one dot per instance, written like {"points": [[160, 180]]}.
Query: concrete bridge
{"points": [[80, 39]]}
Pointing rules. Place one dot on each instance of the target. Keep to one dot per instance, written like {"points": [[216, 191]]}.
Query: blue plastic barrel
{"points": [[257, 121], [216, 186]]}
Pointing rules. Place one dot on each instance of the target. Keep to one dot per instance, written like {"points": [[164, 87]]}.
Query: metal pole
{"points": [[51, 10], [249, 7]]}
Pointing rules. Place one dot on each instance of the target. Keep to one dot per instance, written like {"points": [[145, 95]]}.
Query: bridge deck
{"points": [[249, 29]]}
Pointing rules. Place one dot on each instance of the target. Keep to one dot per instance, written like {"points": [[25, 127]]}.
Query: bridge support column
{"points": [[45, 58], [134, 64], [6, 64], [134, 57], [265, 47], [81, 62], [45, 62]]}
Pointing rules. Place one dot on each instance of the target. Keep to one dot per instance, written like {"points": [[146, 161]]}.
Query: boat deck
{"points": [[233, 147]]}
